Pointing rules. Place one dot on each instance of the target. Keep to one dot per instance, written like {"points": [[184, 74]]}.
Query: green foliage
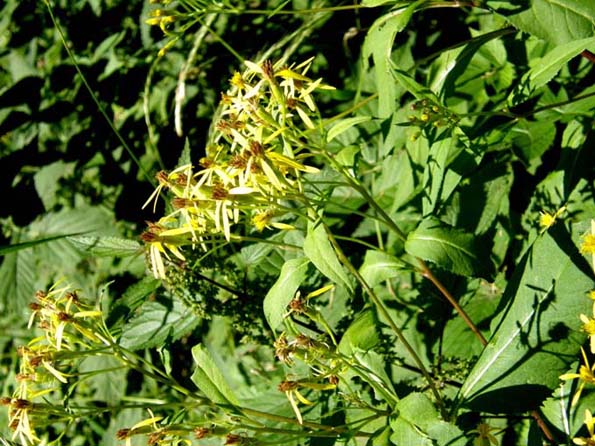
{"points": [[380, 230]]}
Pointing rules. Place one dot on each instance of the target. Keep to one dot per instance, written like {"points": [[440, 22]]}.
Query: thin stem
{"points": [[94, 96], [385, 314], [428, 274]]}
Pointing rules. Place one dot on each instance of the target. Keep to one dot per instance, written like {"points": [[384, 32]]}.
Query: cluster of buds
{"points": [[254, 163], [63, 318], [430, 113]]}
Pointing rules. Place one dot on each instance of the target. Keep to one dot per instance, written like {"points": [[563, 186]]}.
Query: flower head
{"points": [[586, 375], [590, 423]]}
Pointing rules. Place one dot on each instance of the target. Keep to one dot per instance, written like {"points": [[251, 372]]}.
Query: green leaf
{"points": [[319, 250], [110, 385], [292, 274], [412, 86], [557, 21], [17, 281], [536, 339], [47, 181], [362, 334], [209, 378], [419, 423], [532, 138], [545, 68], [155, 324], [106, 246], [379, 266], [378, 44], [345, 124], [449, 160], [449, 248], [135, 294]]}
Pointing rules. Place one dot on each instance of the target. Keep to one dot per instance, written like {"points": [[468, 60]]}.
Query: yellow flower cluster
{"points": [[62, 317], [254, 163]]}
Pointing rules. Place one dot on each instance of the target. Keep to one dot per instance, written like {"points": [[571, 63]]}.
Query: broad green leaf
{"points": [[532, 138], [345, 124], [545, 68], [210, 379], [483, 197], [536, 339], [375, 366], [135, 295], [557, 21], [480, 304], [453, 63], [320, 252], [275, 302], [406, 433], [379, 266], [17, 280], [47, 181], [381, 437], [378, 44], [156, 324], [108, 386], [449, 248], [362, 334], [419, 422], [106, 246], [449, 160]]}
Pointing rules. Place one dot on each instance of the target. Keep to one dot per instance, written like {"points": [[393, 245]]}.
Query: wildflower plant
{"points": [[403, 257]]}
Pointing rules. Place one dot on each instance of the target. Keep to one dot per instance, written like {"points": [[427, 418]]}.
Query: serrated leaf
{"points": [[545, 68], [557, 21], [379, 266], [320, 252], [17, 280], [536, 339], [290, 278], [106, 246], [447, 247], [155, 324], [135, 294], [345, 124], [209, 378]]}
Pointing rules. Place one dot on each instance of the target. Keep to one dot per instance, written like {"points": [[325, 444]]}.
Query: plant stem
{"points": [[385, 314], [94, 96], [428, 274]]}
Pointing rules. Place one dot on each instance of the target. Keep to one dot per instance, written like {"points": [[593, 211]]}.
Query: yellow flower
{"points": [[484, 435], [589, 328], [585, 375], [590, 423], [547, 220], [588, 245]]}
